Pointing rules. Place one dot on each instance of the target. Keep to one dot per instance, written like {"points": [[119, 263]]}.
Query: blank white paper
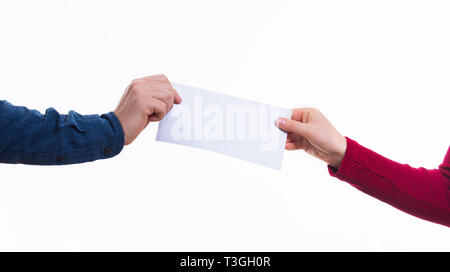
{"points": [[225, 124]]}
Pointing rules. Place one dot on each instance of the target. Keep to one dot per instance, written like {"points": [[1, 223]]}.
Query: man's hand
{"points": [[145, 100], [309, 129]]}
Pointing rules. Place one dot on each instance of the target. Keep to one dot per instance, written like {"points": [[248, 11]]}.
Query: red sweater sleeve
{"points": [[418, 191]]}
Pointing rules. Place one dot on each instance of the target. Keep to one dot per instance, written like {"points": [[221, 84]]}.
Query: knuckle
{"points": [[135, 84], [136, 81], [160, 77], [168, 96]]}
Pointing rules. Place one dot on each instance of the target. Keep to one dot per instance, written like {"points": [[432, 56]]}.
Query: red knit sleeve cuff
{"points": [[447, 158], [352, 164], [444, 168]]}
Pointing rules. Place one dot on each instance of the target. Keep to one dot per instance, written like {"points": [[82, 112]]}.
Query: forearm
{"points": [[417, 191], [29, 137]]}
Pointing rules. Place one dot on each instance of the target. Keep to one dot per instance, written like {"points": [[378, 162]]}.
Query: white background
{"points": [[378, 69]]}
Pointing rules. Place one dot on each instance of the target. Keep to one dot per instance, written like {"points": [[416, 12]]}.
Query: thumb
{"points": [[293, 126]]}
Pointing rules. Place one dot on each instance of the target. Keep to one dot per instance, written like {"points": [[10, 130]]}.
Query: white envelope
{"points": [[226, 124]]}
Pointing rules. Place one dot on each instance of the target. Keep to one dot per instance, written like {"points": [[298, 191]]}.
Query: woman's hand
{"points": [[310, 130]]}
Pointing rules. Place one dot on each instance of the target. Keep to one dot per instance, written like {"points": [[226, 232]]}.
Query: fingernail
{"points": [[281, 122]]}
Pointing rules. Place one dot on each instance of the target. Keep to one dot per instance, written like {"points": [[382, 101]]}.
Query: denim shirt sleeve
{"points": [[29, 137]]}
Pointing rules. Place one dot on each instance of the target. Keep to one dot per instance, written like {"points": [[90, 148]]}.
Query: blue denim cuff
{"points": [[114, 141]]}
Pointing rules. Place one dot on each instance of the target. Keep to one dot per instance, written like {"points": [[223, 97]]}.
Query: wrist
{"points": [[121, 125], [339, 155]]}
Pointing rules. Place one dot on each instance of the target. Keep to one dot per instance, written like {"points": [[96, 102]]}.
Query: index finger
{"points": [[301, 114], [176, 97]]}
